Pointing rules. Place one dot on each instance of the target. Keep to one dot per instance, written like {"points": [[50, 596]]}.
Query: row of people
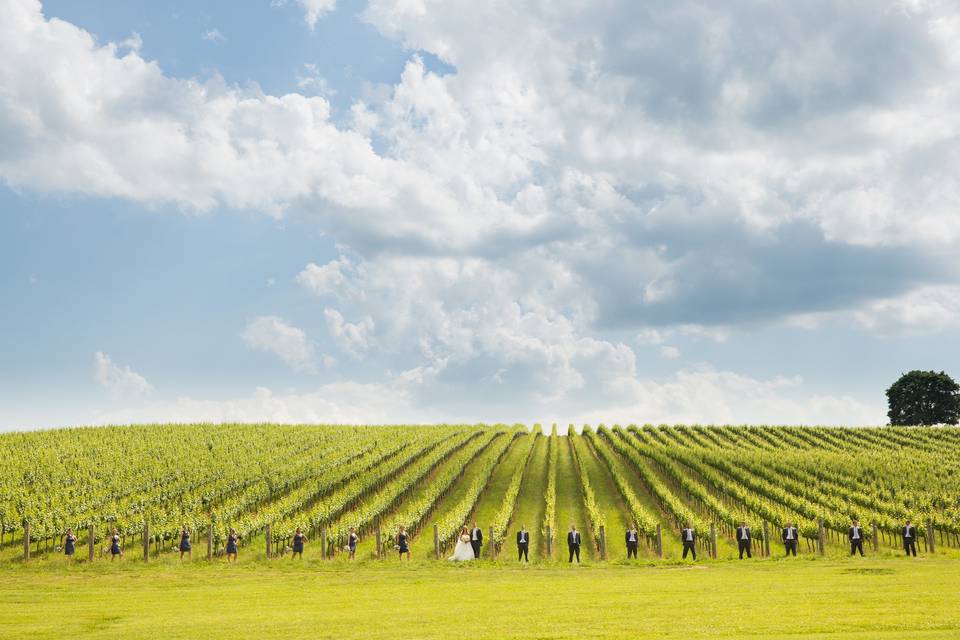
{"points": [[474, 537], [790, 537]]}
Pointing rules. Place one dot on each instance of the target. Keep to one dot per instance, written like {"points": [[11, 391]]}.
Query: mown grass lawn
{"points": [[803, 598]]}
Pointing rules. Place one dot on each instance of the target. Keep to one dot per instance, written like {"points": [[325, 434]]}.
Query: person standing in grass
{"points": [[298, 540], [689, 539], [402, 543], [855, 535], [185, 543], [910, 539], [69, 544], [744, 540], [115, 549], [352, 539], [232, 539], [523, 544], [633, 541], [476, 540], [573, 543], [790, 539]]}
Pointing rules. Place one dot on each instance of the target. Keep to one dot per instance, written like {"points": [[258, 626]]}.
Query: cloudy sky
{"points": [[450, 210]]}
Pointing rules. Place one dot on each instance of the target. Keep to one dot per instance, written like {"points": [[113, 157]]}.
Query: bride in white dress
{"points": [[463, 551]]}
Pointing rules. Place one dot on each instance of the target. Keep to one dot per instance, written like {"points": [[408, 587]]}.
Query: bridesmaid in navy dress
{"points": [[352, 542], [298, 540], [402, 545], [185, 543], [69, 544], [115, 549], [232, 545]]}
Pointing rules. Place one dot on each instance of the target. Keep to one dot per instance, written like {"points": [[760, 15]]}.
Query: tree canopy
{"points": [[924, 398]]}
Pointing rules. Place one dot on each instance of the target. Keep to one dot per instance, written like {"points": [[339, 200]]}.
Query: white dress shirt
{"points": [[743, 533], [689, 533], [789, 533], [856, 533]]}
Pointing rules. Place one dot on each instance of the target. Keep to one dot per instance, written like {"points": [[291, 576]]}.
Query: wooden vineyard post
{"points": [[26, 541], [379, 541], [210, 541], [876, 538], [436, 541], [766, 539], [90, 543], [146, 541], [549, 542], [659, 542], [323, 542], [603, 543], [492, 552], [820, 547], [713, 541], [930, 536], [267, 536]]}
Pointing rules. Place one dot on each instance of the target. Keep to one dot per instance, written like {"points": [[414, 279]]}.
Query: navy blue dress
{"points": [[115, 547], [402, 542], [69, 545], [231, 544], [298, 543], [185, 542]]}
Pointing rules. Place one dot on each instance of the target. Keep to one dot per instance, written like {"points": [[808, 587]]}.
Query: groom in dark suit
{"points": [[476, 540], [523, 544], [573, 543]]}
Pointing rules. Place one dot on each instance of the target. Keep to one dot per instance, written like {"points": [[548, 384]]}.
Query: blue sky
{"points": [[385, 211]]}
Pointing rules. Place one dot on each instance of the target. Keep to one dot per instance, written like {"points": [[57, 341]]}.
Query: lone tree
{"points": [[924, 397]]}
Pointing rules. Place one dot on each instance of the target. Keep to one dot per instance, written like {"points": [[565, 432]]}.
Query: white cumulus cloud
{"points": [[354, 338], [120, 381], [275, 336]]}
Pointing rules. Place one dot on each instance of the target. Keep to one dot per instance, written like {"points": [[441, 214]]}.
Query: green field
{"points": [[266, 480], [804, 598]]}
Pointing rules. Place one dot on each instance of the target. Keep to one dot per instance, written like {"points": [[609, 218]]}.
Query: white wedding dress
{"points": [[463, 551]]}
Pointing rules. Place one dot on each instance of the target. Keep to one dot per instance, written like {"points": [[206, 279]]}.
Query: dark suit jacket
{"points": [[573, 539], [912, 532], [478, 534], [527, 541], [850, 533], [796, 534], [683, 537], [636, 534]]}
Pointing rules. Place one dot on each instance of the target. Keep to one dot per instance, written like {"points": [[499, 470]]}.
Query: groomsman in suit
{"points": [[910, 539], [523, 544], [476, 540], [790, 538], [855, 534], [633, 541], [573, 543], [744, 539], [689, 539]]}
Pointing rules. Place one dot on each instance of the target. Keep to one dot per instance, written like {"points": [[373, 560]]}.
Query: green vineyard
{"points": [[266, 481]]}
